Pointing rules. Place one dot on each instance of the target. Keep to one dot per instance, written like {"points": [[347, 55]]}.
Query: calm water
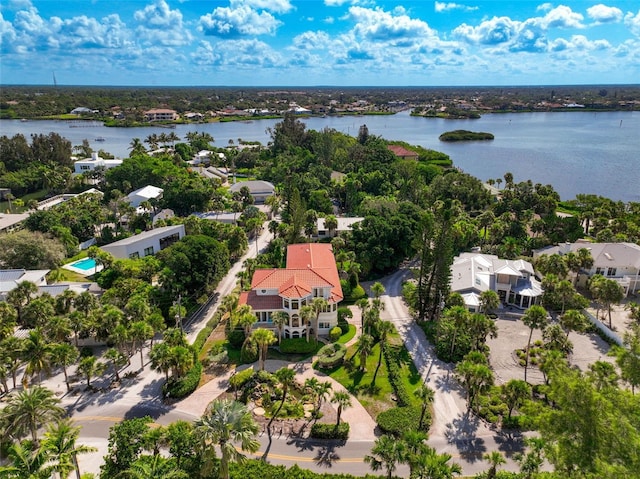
{"points": [[576, 152]]}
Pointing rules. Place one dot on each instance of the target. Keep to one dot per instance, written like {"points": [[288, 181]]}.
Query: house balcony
{"points": [[300, 332]]}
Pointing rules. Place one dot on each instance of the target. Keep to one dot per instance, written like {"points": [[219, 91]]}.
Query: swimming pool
{"points": [[85, 264]]}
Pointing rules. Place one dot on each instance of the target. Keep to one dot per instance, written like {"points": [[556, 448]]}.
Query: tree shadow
{"points": [[146, 408], [326, 456], [448, 383], [461, 432], [510, 441], [152, 389]]}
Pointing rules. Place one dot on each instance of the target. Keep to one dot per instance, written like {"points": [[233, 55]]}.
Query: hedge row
{"points": [[264, 470], [330, 431], [398, 420], [177, 388], [395, 375], [206, 332], [298, 346]]}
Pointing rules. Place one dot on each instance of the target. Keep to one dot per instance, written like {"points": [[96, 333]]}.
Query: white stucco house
{"points": [[146, 193], [145, 244], [344, 224], [87, 165], [513, 280], [617, 261]]}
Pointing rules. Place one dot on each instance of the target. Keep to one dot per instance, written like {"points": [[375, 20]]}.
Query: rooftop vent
{"points": [[608, 256]]}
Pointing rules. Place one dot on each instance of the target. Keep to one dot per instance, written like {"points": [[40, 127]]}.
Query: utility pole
{"points": [[179, 313]]}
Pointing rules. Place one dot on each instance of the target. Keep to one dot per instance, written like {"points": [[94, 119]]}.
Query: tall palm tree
{"points": [[140, 332], [90, 367], [306, 314], [364, 345], [318, 305], [60, 443], [426, 395], [385, 328], [160, 356], [386, 453], [28, 410], [64, 355], [489, 301], [263, 338], [37, 354], [286, 377], [8, 320], [117, 360], [435, 466], [225, 424], [21, 295], [137, 147], [535, 318], [280, 319], [343, 400]]}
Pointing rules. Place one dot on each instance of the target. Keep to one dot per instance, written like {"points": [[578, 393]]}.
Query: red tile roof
{"points": [[260, 303], [402, 152]]}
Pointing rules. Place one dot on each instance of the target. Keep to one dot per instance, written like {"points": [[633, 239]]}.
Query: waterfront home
{"points": [[160, 114], [617, 261], [310, 273], [402, 152], [145, 244], [513, 280], [144, 194], [87, 165]]}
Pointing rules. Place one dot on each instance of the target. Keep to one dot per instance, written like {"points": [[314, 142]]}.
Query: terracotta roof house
{"points": [[402, 152], [310, 273], [617, 261], [513, 280]]}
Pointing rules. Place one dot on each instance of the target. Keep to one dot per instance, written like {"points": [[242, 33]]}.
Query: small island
{"points": [[465, 135]]}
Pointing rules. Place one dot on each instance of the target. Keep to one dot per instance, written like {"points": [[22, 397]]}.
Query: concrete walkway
{"points": [[362, 426]]}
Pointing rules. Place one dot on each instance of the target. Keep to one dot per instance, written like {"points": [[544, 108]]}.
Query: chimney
{"points": [[94, 156]]}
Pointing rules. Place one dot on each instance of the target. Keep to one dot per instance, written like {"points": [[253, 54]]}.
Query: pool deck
{"points": [[83, 272]]}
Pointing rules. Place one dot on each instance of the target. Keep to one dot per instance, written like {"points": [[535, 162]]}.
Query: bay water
{"points": [[575, 152]]}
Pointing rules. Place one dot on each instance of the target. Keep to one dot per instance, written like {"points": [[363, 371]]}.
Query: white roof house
{"points": [[145, 244], [513, 280], [259, 189], [143, 194], [344, 224], [11, 222], [90, 164], [10, 278], [617, 261]]}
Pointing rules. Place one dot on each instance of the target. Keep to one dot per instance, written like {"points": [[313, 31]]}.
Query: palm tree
{"points": [[386, 453], [27, 462], [140, 332], [37, 354], [306, 313], [8, 320], [475, 376], [160, 356], [90, 367], [318, 305], [153, 467], [117, 360], [489, 301], [263, 338], [514, 394], [331, 224], [21, 295], [28, 410], [280, 319], [385, 328], [364, 345], [495, 459], [226, 423], [426, 395], [565, 291], [432, 465], [64, 355], [60, 443], [535, 318], [14, 352], [286, 378], [343, 400], [137, 147]]}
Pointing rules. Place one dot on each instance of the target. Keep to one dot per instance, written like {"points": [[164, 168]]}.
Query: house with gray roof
{"points": [[617, 261], [145, 244], [258, 189], [513, 280], [10, 278]]}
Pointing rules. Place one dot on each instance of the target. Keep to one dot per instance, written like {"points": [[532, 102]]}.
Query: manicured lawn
{"points": [[66, 275], [348, 336], [380, 397]]}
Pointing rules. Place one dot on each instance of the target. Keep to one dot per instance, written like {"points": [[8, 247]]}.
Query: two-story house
{"points": [[310, 273], [617, 261], [513, 280]]}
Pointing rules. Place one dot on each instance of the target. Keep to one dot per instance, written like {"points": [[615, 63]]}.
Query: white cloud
{"points": [[276, 6], [561, 17], [379, 25], [329, 20], [244, 20], [7, 34], [161, 25], [490, 32], [311, 40], [544, 7], [633, 22], [335, 3], [578, 43], [604, 14], [237, 53], [447, 6]]}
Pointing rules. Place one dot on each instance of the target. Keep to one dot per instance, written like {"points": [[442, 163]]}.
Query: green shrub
{"points": [[177, 388], [331, 355], [298, 346], [236, 338], [391, 354], [238, 380], [249, 352], [205, 333], [357, 293], [343, 324], [346, 288], [330, 431], [398, 420], [335, 333]]}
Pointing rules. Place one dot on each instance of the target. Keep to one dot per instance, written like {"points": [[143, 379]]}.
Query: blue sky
{"points": [[319, 42]]}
